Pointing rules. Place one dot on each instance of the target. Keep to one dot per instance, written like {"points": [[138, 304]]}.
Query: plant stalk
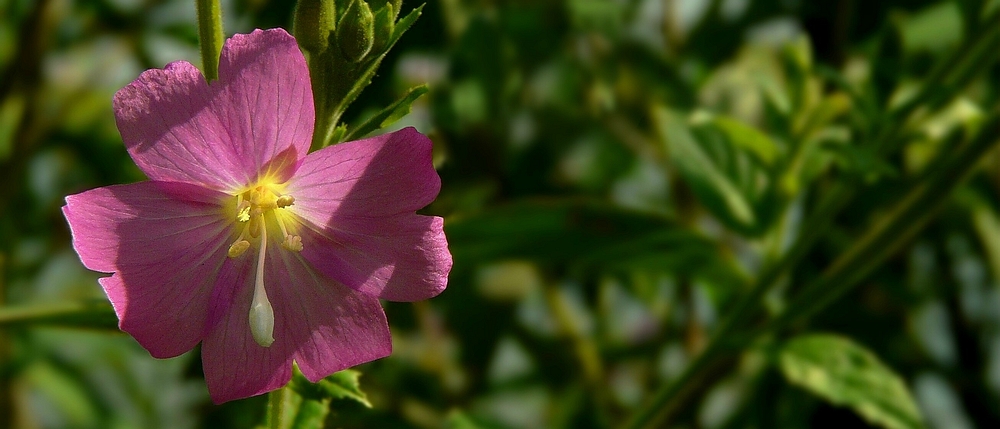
{"points": [[210, 36]]}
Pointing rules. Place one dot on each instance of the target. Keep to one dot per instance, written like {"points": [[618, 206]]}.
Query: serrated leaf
{"points": [[338, 133], [712, 187], [846, 374], [311, 414], [388, 115], [404, 24], [344, 385]]}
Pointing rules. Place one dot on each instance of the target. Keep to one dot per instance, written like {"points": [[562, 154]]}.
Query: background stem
{"points": [[210, 36]]}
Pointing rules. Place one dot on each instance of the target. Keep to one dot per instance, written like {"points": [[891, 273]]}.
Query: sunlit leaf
{"points": [[713, 188], [846, 374], [749, 138], [459, 420], [936, 28], [344, 385], [388, 115]]}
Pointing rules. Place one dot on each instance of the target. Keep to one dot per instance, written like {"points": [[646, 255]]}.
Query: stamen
{"points": [[281, 224], [256, 225], [261, 313], [293, 243], [285, 201], [238, 248], [244, 214], [242, 209], [290, 242]]}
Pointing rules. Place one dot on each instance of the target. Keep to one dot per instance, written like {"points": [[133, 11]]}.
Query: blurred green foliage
{"points": [[645, 199]]}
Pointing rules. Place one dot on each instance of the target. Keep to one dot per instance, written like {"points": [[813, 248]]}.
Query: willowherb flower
{"points": [[242, 241]]}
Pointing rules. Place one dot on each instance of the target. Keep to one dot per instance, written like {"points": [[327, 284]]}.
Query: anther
{"points": [[293, 243], [256, 225], [285, 201], [244, 214], [238, 248]]}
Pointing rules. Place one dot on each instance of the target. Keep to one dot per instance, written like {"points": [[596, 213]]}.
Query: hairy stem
{"points": [[210, 36]]}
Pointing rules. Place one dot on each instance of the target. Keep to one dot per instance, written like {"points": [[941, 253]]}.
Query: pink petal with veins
{"points": [[321, 325], [257, 117], [164, 242]]}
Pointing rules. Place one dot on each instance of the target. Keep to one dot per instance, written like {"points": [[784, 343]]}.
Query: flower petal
{"points": [[266, 99], [163, 242], [258, 116], [322, 326], [398, 258], [379, 176]]}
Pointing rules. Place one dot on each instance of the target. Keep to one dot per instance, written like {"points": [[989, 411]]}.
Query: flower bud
{"points": [[356, 31], [385, 22], [313, 22]]}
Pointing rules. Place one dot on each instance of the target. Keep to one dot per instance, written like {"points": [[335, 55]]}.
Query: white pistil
{"points": [[261, 313]]}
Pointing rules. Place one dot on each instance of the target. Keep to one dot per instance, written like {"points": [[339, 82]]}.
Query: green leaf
{"points": [[338, 134], [312, 414], [715, 190], [459, 420], [343, 385], [388, 115], [846, 374], [862, 162], [935, 28], [559, 231], [749, 138], [404, 24]]}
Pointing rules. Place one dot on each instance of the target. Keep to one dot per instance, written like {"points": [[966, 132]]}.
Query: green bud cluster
{"points": [[344, 42]]}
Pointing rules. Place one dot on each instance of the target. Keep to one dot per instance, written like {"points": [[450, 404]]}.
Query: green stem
{"points": [[76, 314], [585, 351], [276, 408], [913, 213], [834, 200], [210, 36], [949, 76], [721, 342], [6, 377], [901, 225]]}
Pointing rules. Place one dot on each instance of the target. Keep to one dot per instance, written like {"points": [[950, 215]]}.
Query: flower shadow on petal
{"points": [[373, 241], [166, 263]]}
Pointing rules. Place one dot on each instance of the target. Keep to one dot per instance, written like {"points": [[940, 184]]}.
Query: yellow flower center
{"points": [[258, 208]]}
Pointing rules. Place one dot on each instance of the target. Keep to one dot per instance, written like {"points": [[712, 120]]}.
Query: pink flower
{"points": [[242, 241]]}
